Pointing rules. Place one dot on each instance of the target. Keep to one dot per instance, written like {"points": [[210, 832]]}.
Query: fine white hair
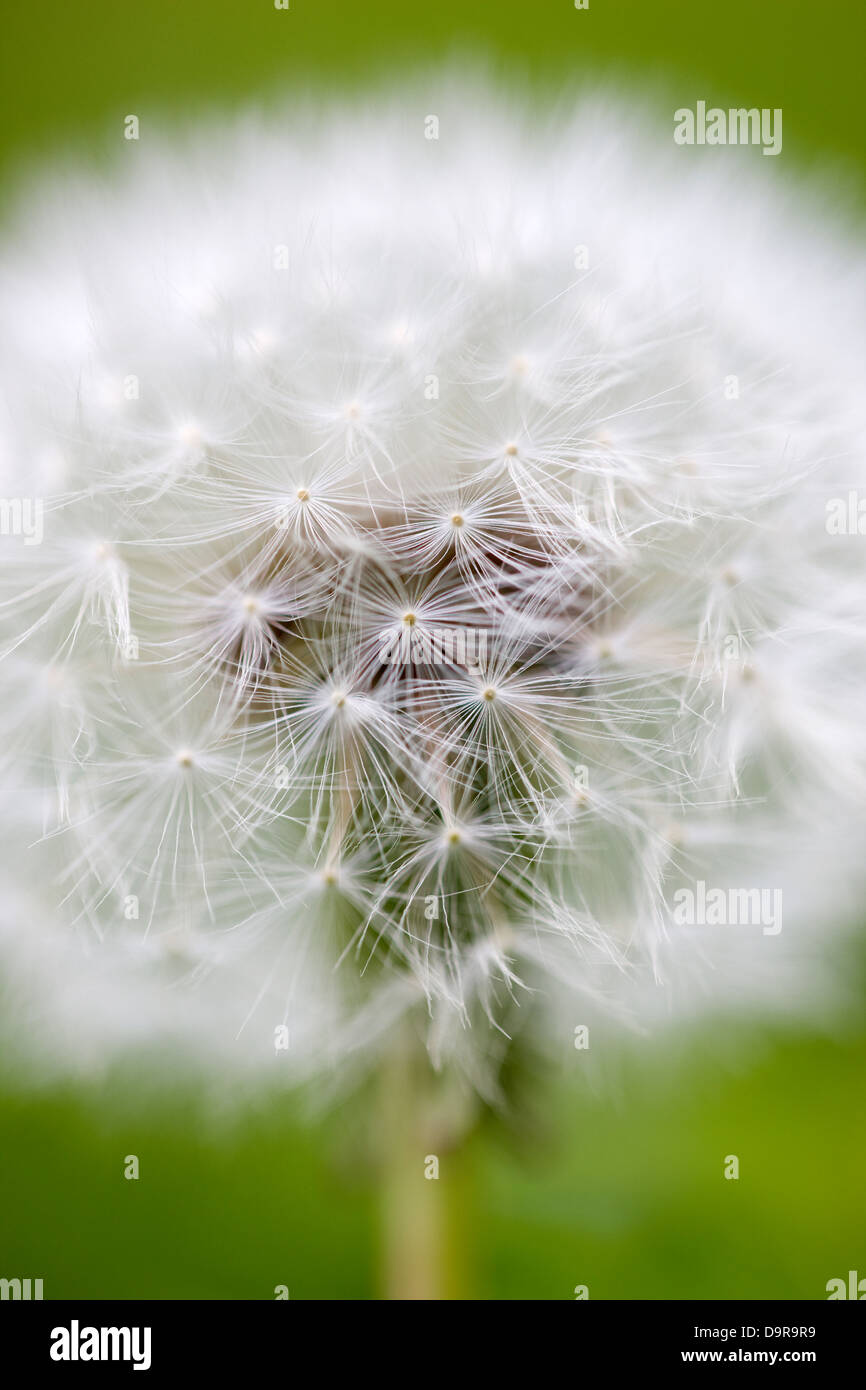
{"points": [[434, 579]]}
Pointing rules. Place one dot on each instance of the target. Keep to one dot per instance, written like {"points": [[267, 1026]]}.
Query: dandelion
{"points": [[255, 777]]}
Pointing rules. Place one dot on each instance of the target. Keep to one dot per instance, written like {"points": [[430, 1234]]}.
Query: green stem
{"points": [[423, 1215]]}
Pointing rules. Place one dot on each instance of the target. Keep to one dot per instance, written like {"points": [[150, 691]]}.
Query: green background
{"points": [[70, 72], [622, 1188]]}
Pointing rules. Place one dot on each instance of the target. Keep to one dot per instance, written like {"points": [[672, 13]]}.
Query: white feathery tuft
{"points": [[418, 610]]}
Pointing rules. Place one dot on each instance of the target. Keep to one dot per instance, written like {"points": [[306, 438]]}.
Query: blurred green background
{"points": [[69, 73], [625, 1191], [626, 1195]]}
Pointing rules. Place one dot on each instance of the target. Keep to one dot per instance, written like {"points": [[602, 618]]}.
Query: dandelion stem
{"points": [[423, 1190]]}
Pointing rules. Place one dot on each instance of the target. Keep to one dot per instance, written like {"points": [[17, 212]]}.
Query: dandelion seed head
{"points": [[347, 569]]}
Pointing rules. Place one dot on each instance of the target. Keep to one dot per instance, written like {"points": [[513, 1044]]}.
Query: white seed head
{"points": [[643, 588]]}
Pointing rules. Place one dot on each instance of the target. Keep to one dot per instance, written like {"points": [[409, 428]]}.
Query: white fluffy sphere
{"points": [[419, 602]]}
